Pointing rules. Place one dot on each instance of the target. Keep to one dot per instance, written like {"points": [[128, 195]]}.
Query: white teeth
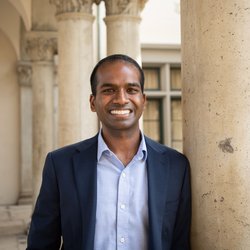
{"points": [[120, 112]]}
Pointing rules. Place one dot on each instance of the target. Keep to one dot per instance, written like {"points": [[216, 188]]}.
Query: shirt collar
{"points": [[102, 148]]}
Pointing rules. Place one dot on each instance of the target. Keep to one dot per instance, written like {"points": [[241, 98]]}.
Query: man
{"points": [[119, 189]]}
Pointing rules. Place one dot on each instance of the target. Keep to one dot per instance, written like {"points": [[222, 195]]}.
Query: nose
{"points": [[121, 97]]}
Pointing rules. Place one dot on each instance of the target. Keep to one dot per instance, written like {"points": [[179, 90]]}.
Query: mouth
{"points": [[120, 112]]}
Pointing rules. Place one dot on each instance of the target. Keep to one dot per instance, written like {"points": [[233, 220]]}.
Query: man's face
{"points": [[119, 101]]}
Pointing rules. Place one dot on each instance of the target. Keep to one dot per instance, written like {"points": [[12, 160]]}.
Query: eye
{"points": [[108, 91], [133, 90]]}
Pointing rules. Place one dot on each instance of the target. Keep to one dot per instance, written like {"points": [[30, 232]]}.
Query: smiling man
{"points": [[119, 189]]}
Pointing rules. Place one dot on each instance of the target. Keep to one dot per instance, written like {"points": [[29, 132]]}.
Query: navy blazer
{"points": [[66, 205]]}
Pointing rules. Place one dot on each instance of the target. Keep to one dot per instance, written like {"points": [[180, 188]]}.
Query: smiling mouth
{"points": [[120, 112]]}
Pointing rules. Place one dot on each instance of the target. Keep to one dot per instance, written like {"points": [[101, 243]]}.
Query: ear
{"points": [[92, 103], [144, 101]]}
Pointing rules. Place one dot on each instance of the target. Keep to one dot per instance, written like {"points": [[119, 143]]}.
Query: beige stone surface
{"points": [[9, 124], [123, 35], [216, 120], [14, 242], [14, 220], [10, 24], [75, 63], [43, 17], [24, 77], [42, 94], [40, 48]]}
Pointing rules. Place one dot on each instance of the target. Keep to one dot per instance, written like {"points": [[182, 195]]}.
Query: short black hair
{"points": [[113, 58]]}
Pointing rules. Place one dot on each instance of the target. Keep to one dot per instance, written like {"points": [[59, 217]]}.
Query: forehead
{"points": [[117, 68]]}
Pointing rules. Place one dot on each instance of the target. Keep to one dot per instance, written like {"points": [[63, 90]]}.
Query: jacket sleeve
{"points": [[45, 229], [181, 239]]}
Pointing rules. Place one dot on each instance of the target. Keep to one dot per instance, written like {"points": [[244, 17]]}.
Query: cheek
{"points": [[141, 103], [99, 106]]}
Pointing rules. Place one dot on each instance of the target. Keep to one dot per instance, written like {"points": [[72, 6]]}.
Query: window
{"points": [[152, 122], [162, 119], [152, 117], [176, 123], [175, 78], [152, 78], [176, 109]]}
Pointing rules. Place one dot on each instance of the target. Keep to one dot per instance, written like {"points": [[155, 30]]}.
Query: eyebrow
{"points": [[104, 85], [132, 84]]}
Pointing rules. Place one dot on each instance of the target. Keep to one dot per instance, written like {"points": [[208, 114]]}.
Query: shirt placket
{"points": [[123, 210]]}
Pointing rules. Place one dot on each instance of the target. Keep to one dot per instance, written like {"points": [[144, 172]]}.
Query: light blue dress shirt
{"points": [[122, 200]]}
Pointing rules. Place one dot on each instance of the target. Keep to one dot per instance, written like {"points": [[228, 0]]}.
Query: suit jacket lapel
{"points": [[157, 179], [85, 169]]}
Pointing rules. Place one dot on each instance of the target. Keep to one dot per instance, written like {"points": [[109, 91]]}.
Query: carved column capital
{"points": [[24, 71], [72, 6], [40, 47], [124, 7]]}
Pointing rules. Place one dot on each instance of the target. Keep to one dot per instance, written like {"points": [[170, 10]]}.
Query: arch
{"points": [[10, 24], [23, 7]]}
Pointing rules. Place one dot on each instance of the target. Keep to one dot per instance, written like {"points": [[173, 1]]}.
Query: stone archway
{"points": [[23, 7]]}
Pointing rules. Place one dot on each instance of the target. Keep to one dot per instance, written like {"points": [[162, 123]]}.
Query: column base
{"points": [[25, 199]]}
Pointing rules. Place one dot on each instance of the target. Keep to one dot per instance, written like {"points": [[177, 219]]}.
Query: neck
{"points": [[123, 144]]}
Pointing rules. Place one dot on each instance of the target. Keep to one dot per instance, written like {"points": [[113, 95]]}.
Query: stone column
{"points": [[216, 115], [123, 22], [40, 48], [26, 189], [75, 62]]}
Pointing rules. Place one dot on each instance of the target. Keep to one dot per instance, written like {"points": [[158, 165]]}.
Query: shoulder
{"points": [[170, 153], [71, 149]]}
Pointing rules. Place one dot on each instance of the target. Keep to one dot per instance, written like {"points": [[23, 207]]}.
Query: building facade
{"points": [[197, 91]]}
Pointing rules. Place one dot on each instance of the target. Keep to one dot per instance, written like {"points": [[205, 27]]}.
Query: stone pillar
{"points": [[123, 23], [216, 116], [26, 189], [75, 62], [40, 48]]}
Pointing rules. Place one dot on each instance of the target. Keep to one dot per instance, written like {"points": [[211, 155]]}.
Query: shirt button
{"points": [[123, 175], [123, 206], [122, 239]]}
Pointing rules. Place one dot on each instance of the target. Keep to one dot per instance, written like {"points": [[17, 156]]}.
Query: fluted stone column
{"points": [[216, 115], [75, 62], [24, 70], [41, 47], [123, 22]]}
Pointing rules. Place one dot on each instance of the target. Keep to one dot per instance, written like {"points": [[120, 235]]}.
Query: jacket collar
{"points": [[158, 172], [85, 171]]}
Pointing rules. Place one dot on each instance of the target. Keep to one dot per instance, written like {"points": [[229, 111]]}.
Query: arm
{"points": [[181, 239], [45, 229]]}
